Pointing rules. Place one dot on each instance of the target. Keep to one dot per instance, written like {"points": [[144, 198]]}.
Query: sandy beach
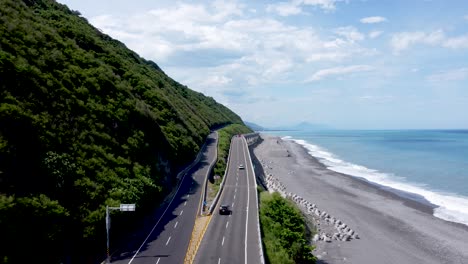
{"points": [[382, 227]]}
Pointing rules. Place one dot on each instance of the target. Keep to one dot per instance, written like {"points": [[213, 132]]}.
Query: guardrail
{"points": [[221, 186], [251, 138], [262, 258], [197, 159], [205, 183]]}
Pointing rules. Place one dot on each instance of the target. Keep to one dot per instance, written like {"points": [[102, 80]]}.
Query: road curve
{"points": [[234, 238], [168, 236]]}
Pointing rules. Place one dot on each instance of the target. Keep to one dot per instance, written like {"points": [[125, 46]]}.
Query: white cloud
{"points": [[373, 20], [451, 75], [226, 8], [327, 56], [456, 42], [466, 17], [376, 98], [342, 70], [350, 33], [235, 49], [285, 8], [403, 40], [374, 34], [294, 7], [323, 4], [216, 80]]}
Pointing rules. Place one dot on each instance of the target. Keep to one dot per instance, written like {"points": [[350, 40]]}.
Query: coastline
{"points": [[391, 228]]}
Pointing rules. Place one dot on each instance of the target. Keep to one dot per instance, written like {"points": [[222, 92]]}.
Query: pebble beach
{"points": [[358, 221]]}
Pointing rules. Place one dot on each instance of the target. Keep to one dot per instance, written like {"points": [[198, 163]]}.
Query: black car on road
{"points": [[224, 210]]}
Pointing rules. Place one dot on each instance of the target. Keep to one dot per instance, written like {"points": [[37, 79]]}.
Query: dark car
{"points": [[224, 210]]}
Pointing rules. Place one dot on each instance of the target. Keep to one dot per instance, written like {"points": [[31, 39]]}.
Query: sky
{"points": [[348, 64]]}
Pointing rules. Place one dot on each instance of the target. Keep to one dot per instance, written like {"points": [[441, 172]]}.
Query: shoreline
{"points": [[391, 228], [426, 206], [420, 203], [412, 200]]}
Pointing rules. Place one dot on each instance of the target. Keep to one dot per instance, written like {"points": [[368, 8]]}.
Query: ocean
{"points": [[432, 164]]}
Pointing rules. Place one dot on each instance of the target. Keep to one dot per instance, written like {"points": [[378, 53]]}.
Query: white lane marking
{"points": [[158, 260], [227, 224], [248, 201], [181, 212], [154, 227], [185, 203], [232, 205], [235, 190], [222, 243], [168, 241], [234, 196], [219, 260], [176, 224], [188, 195]]}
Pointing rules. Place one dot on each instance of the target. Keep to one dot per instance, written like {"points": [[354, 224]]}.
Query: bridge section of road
{"points": [[234, 238]]}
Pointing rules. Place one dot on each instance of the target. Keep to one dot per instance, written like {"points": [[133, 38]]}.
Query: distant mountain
{"points": [[303, 126], [254, 126]]}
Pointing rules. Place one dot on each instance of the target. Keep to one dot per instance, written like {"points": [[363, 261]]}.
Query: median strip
{"points": [[201, 224]]}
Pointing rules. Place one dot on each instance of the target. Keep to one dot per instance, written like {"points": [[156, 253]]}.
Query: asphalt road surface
{"points": [[234, 238], [166, 239]]}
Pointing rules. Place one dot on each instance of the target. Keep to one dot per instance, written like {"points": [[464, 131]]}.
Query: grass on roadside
{"points": [[224, 141], [213, 189], [284, 231]]}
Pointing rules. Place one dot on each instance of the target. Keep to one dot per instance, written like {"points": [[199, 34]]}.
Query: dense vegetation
{"points": [[224, 142], [84, 123], [284, 232]]}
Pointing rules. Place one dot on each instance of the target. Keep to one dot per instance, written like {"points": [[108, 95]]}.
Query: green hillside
{"points": [[84, 122]]}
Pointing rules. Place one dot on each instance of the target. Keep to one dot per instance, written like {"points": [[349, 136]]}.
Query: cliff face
{"points": [[84, 122]]}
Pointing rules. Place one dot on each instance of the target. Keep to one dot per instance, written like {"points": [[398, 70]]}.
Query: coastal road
{"points": [[168, 236], [234, 238]]}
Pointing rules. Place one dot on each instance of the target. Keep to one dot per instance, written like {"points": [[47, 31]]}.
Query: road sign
{"points": [[127, 207]]}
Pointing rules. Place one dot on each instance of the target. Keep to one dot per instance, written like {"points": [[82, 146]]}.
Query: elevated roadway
{"points": [[234, 238]]}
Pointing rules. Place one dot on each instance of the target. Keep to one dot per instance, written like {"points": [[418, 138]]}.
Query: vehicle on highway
{"points": [[224, 210], [241, 167]]}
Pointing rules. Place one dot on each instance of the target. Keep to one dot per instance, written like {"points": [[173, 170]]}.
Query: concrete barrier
{"points": [[221, 186], [205, 183], [251, 138], [262, 258]]}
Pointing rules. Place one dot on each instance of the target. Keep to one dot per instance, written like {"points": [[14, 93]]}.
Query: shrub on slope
{"points": [[84, 122]]}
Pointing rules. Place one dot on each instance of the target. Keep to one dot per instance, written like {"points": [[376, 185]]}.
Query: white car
{"points": [[241, 167]]}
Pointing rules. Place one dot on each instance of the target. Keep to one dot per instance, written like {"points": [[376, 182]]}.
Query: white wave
{"points": [[451, 207]]}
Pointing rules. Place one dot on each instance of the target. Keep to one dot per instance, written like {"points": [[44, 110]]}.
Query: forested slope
{"points": [[84, 122]]}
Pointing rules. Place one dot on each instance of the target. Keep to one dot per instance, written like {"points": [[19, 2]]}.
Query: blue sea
{"points": [[430, 163]]}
